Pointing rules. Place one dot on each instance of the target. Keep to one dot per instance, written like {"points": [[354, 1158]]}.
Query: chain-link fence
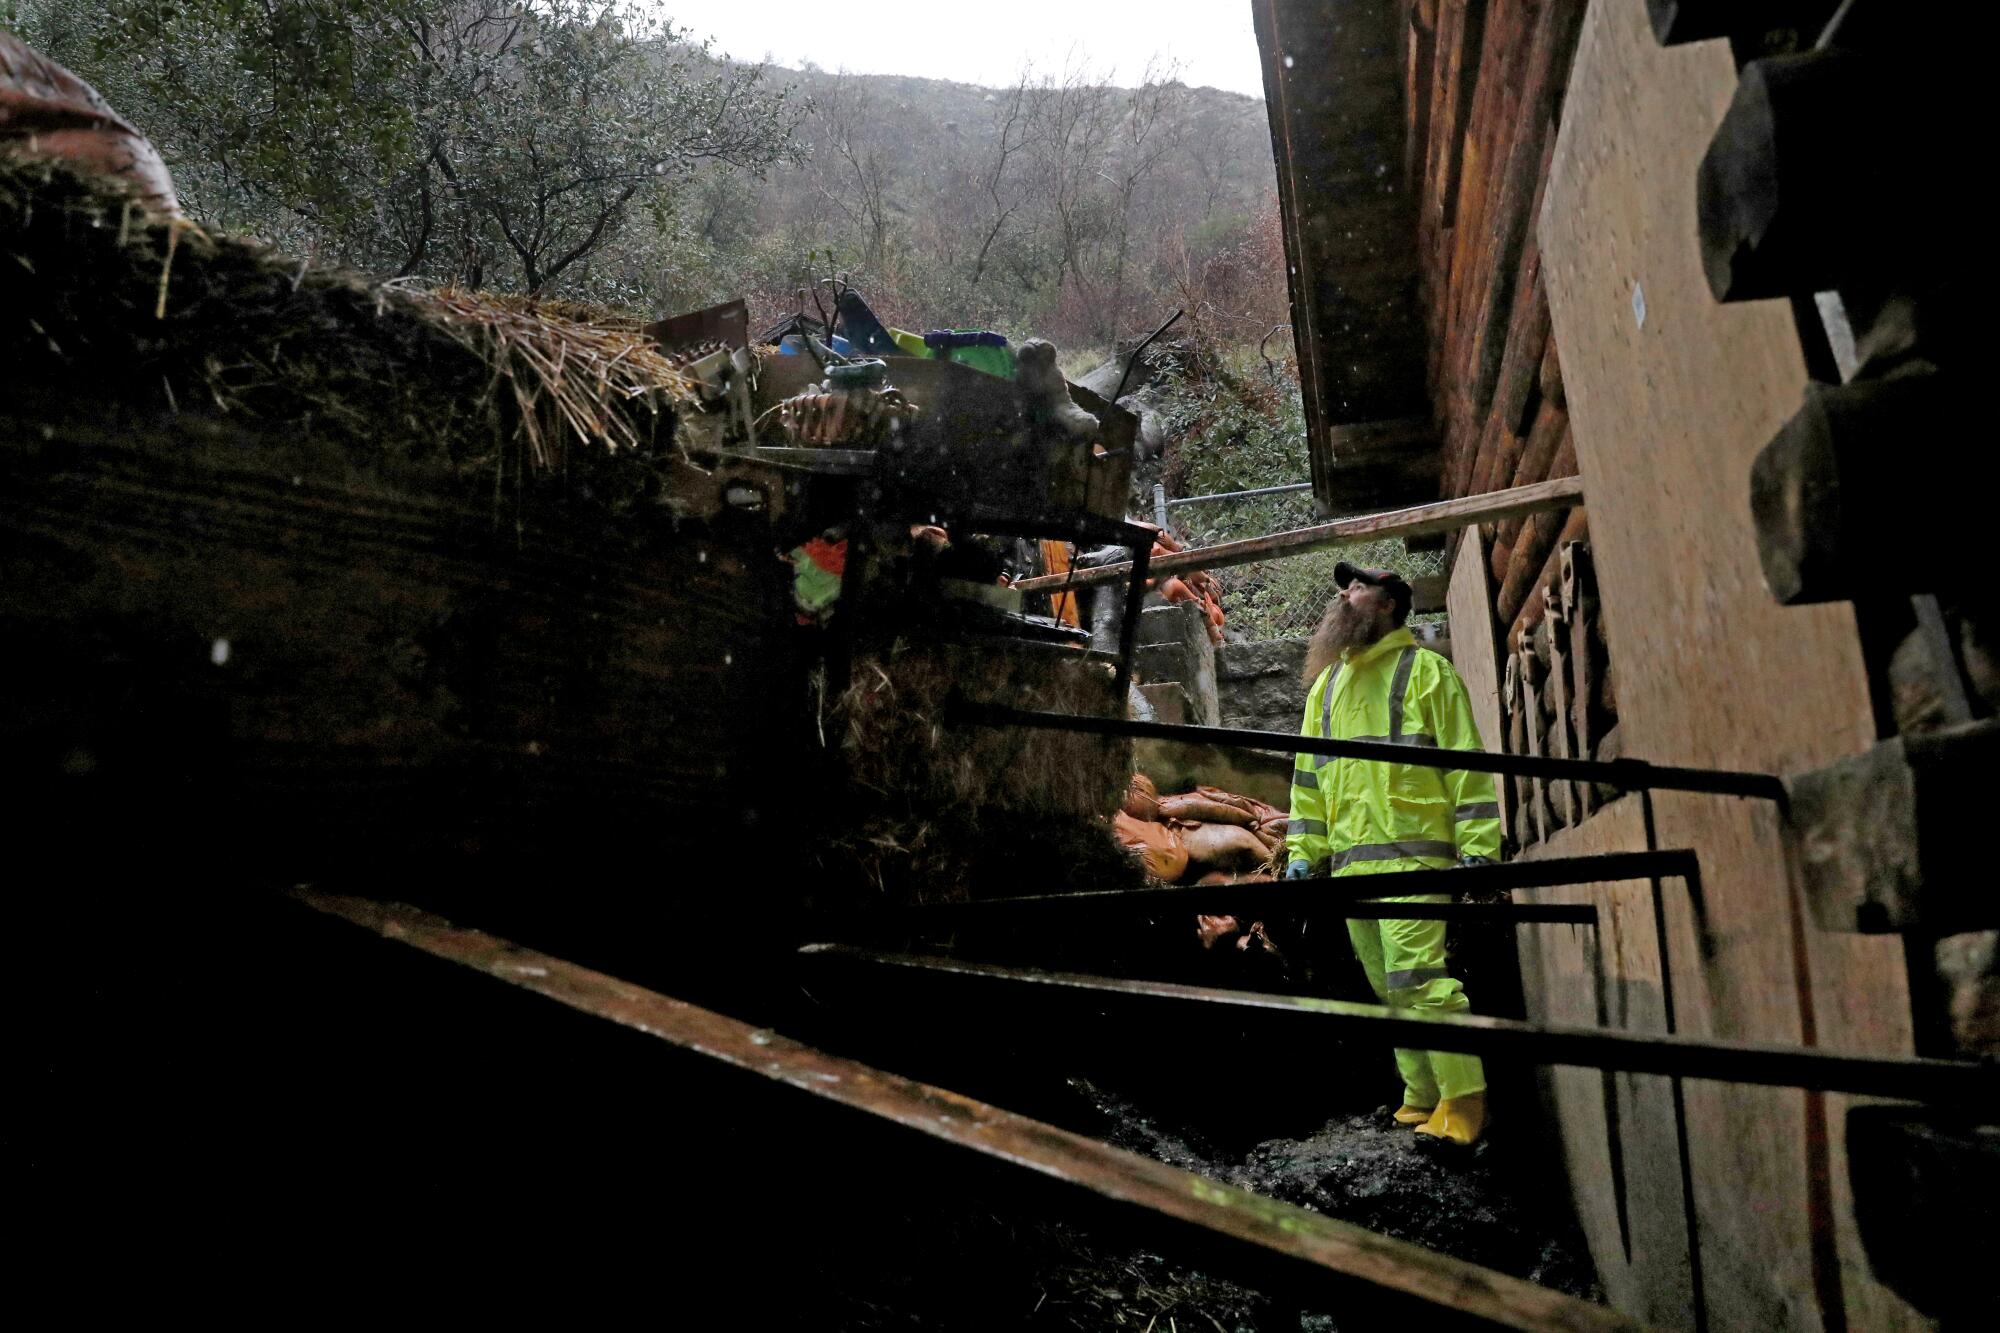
{"points": [[1285, 598]]}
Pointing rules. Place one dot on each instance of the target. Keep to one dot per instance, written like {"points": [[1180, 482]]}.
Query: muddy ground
{"points": [[947, 1266]]}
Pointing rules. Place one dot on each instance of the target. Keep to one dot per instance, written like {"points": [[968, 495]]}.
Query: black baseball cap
{"points": [[1386, 579]]}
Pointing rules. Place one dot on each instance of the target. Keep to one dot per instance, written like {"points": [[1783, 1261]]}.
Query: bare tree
{"points": [[856, 175], [1151, 131], [1069, 120]]}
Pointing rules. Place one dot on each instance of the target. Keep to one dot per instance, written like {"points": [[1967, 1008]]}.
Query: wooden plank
{"points": [[1475, 646], [1418, 520], [1668, 410]]}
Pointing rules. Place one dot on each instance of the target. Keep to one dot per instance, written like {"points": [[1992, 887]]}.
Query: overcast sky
{"points": [[988, 43]]}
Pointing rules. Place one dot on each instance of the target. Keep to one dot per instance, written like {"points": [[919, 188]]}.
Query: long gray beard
{"points": [[1343, 629]]}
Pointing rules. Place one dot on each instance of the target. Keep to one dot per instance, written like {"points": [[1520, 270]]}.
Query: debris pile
{"points": [[1204, 836]]}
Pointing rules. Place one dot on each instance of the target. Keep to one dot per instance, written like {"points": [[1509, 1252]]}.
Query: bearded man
{"points": [[1370, 681]]}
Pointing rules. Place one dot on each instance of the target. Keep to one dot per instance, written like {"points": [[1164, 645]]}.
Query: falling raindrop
{"points": [[218, 652]]}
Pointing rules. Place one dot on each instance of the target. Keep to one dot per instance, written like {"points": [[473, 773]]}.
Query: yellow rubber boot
{"points": [[1461, 1120], [1407, 1114]]}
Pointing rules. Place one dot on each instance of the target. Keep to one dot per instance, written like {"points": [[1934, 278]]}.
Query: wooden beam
{"points": [[1512, 223], [1836, 133], [1461, 25], [1444, 516], [1837, 487], [1338, 1259], [1575, 528], [1541, 458], [1884, 837], [1528, 334]]}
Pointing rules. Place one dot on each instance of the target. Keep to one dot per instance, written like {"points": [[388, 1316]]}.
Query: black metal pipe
{"points": [[908, 977], [1307, 895], [919, 918], [1501, 914], [1624, 774]]}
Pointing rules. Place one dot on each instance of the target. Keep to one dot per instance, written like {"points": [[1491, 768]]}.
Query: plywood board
{"points": [[1475, 646], [1628, 1192], [1670, 397]]}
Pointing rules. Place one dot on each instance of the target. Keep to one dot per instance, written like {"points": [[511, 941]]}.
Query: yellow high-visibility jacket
{"points": [[1360, 817]]}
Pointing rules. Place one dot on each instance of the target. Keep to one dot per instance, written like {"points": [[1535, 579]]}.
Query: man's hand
{"points": [[1209, 929], [1298, 870]]}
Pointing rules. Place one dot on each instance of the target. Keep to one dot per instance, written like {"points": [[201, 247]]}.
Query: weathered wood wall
{"points": [[1334, 93], [1670, 396]]}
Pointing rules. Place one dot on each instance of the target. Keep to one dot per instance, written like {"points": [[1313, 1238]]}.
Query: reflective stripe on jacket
{"points": [[1361, 817]]}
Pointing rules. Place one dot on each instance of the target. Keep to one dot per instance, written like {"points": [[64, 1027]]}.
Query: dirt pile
{"points": [[113, 305]]}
